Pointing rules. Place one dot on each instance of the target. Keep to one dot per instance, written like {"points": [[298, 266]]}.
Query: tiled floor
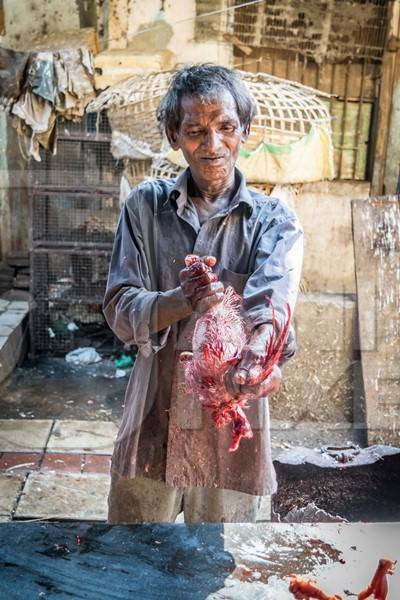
{"points": [[18, 435], [64, 496], [96, 437], [52, 469]]}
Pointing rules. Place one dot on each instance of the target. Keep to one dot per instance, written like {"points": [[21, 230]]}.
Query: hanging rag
{"points": [[40, 77], [59, 83], [39, 121], [75, 82]]}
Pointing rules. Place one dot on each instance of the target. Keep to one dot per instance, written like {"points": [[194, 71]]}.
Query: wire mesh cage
{"points": [[65, 217], [77, 164], [324, 31], [83, 158], [68, 286], [74, 210], [58, 327], [70, 274]]}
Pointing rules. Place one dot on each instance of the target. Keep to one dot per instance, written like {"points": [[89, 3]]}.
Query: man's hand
{"points": [[249, 375], [200, 285]]}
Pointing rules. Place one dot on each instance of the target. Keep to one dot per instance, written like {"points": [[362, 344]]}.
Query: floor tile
{"points": [[64, 496], [18, 305], [9, 488], [17, 461], [96, 463], [11, 319], [96, 437], [23, 435], [62, 463]]}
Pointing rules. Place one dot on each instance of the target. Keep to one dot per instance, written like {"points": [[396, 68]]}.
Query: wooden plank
{"points": [[376, 228], [385, 99], [392, 167], [2, 19], [282, 63]]}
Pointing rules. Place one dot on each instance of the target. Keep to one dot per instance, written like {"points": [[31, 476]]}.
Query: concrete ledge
{"points": [[13, 334]]}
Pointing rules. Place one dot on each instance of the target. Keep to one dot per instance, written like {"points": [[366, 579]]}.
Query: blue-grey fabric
{"points": [[258, 243]]}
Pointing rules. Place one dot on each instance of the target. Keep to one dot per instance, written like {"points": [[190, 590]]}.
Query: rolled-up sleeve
{"points": [[135, 311], [276, 273]]}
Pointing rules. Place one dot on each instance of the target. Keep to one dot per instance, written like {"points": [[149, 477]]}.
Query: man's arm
{"points": [[136, 312], [276, 275]]}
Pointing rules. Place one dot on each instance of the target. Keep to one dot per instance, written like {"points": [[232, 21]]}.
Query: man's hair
{"points": [[207, 82]]}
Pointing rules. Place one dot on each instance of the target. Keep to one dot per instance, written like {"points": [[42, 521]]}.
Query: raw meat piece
{"points": [[218, 340]]}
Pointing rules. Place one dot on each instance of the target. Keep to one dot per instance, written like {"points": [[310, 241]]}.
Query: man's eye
{"points": [[228, 128], [194, 132]]}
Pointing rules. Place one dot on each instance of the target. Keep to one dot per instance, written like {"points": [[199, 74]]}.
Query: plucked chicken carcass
{"points": [[306, 589], [219, 337]]}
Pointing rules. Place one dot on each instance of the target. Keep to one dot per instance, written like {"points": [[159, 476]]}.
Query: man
{"points": [[169, 455]]}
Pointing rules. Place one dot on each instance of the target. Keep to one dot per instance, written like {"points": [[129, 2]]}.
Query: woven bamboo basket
{"points": [[285, 109], [286, 112]]}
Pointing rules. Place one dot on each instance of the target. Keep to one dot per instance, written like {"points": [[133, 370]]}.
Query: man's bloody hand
{"points": [[251, 375], [200, 285]]}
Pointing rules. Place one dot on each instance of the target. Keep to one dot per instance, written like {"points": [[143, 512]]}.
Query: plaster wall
{"points": [[175, 30], [324, 209], [25, 20]]}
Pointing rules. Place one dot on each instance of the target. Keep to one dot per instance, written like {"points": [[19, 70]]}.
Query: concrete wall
{"points": [[139, 26], [318, 382], [27, 19], [324, 210]]}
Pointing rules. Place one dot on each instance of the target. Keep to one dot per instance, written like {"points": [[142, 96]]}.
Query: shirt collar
{"points": [[179, 192]]}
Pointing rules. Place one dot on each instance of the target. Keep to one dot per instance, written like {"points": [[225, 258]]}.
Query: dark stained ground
{"points": [[48, 387]]}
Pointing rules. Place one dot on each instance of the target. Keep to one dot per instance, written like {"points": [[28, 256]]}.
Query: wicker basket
{"points": [[285, 109], [286, 114]]}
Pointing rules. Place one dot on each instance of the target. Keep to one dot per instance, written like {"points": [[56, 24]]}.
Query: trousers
{"points": [[142, 500]]}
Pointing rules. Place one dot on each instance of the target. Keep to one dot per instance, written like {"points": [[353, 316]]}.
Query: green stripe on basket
{"points": [[279, 148]]}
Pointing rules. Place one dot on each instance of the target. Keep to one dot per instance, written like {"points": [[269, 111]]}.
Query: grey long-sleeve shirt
{"points": [[258, 243]]}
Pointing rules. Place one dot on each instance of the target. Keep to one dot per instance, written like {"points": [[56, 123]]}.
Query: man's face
{"points": [[209, 136]]}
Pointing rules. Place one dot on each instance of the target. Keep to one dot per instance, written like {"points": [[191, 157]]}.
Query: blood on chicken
{"points": [[219, 337]]}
